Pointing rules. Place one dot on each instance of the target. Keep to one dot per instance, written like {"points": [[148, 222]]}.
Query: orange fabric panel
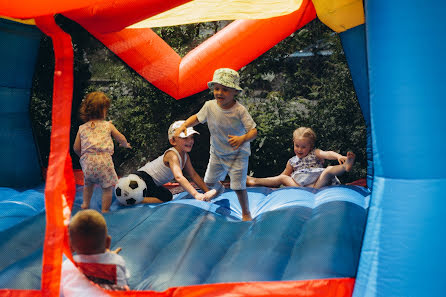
{"points": [[336, 287], [113, 16], [59, 188], [235, 46], [145, 52]]}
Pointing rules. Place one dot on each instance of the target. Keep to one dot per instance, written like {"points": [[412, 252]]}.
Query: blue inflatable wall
{"points": [[296, 234], [354, 45], [19, 159], [403, 249]]}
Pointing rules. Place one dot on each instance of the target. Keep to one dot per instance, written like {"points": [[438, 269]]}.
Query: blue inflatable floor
{"points": [[296, 234]]}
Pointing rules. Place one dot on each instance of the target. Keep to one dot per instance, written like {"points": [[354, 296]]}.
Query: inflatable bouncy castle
{"points": [[384, 240]]}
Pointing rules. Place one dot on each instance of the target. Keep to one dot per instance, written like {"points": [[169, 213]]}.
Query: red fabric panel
{"points": [[360, 182], [338, 287], [235, 46], [99, 271], [25, 9], [20, 293], [60, 188], [106, 15], [113, 16]]}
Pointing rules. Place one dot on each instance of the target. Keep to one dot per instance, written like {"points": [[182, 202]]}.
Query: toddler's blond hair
{"points": [[305, 132]]}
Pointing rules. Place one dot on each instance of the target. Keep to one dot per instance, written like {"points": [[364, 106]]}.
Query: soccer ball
{"points": [[130, 190]]}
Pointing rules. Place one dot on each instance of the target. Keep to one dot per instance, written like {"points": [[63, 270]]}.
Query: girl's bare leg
{"points": [[107, 195], [332, 171], [86, 197], [273, 181], [242, 196], [151, 200]]}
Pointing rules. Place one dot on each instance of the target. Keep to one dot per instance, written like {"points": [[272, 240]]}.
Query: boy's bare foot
{"points": [[250, 181], [350, 161], [105, 210], [247, 217], [209, 195], [85, 206]]}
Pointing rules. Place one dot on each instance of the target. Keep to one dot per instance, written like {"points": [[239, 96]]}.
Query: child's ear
{"points": [[172, 141], [108, 242]]}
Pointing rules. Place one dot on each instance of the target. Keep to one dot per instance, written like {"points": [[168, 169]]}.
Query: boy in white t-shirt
{"points": [[231, 128], [94, 262]]}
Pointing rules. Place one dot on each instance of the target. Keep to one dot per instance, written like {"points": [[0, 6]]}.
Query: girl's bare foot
{"points": [[350, 161], [250, 181], [85, 206]]}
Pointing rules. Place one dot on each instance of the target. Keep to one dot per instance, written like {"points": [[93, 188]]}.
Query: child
{"points": [[170, 165], [94, 146], [231, 128], [306, 168], [94, 261]]}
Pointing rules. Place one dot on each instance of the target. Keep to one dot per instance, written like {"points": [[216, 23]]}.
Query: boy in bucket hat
{"points": [[231, 128]]}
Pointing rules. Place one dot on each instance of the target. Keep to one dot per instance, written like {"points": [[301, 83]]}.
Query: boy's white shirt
{"points": [[161, 173], [74, 283], [223, 122]]}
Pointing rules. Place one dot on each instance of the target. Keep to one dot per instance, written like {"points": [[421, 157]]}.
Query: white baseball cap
{"points": [[176, 125]]}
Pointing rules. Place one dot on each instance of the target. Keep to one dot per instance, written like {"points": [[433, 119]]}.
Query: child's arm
{"points": [[190, 122], [119, 137], [330, 155], [237, 141], [288, 169], [174, 163], [77, 145]]}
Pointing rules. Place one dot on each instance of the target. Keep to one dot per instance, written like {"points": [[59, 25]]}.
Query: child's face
{"points": [[224, 96], [183, 144], [302, 146]]}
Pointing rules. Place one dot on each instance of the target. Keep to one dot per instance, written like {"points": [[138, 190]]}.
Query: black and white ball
{"points": [[130, 190]]}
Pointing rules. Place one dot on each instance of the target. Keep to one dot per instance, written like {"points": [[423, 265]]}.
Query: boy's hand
{"points": [[200, 196], [210, 194], [206, 196], [236, 141], [178, 131], [116, 251]]}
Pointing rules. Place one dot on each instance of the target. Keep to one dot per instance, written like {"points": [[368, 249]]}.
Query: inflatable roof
{"points": [[397, 70]]}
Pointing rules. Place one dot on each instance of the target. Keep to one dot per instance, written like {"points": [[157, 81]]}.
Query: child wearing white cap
{"points": [[231, 128], [170, 165]]}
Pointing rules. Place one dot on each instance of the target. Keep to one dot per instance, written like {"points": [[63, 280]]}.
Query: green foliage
{"points": [[40, 103], [143, 114], [282, 92]]}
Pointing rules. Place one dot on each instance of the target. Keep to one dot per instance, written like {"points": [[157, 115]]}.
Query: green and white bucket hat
{"points": [[226, 77]]}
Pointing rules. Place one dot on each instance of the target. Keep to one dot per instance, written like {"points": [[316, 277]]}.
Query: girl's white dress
{"points": [[307, 170]]}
